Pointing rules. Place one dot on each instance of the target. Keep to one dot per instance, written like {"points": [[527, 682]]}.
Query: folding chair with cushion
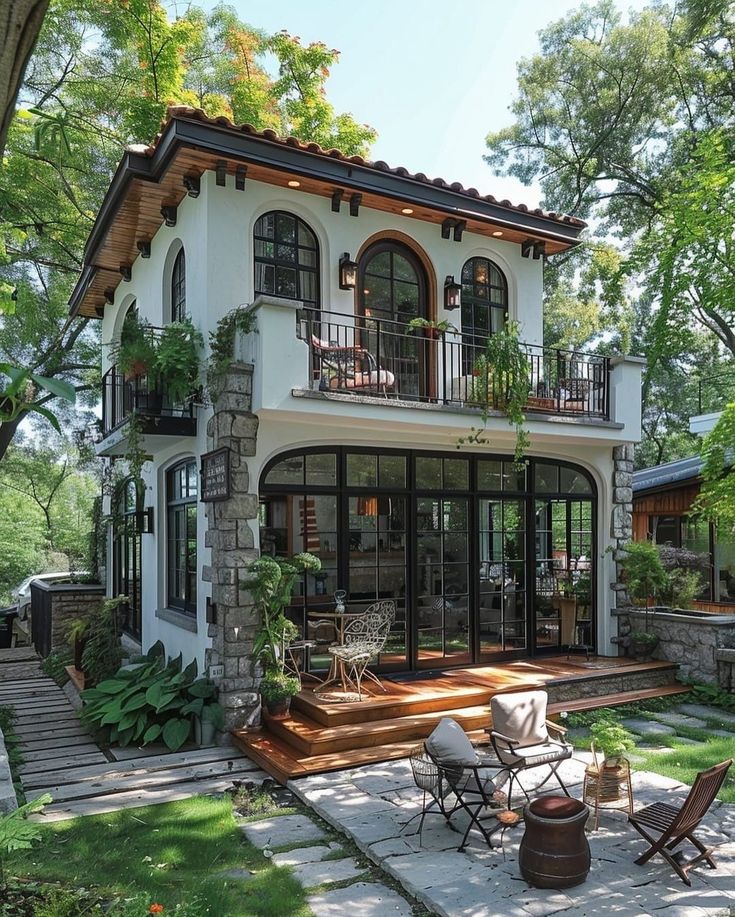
{"points": [[472, 779], [521, 739], [364, 638], [677, 824], [350, 367], [430, 779]]}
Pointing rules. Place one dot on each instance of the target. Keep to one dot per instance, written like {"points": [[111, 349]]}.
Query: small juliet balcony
{"points": [[159, 416], [370, 356]]}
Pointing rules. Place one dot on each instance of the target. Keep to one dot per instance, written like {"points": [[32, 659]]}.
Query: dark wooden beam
{"points": [[168, 212], [355, 201], [240, 175], [459, 228], [192, 185], [337, 199], [126, 271], [144, 247], [221, 173]]}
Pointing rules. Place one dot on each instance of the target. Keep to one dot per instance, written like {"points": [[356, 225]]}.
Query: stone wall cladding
{"points": [[231, 539], [621, 521], [690, 642], [614, 684]]}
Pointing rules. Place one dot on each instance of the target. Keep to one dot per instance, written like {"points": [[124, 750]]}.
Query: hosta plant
{"points": [[153, 701]]}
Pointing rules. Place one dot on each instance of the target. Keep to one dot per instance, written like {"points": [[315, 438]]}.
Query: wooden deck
{"points": [[320, 736]]}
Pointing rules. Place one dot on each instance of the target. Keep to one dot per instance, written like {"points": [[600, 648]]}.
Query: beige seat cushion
{"points": [[448, 744]]}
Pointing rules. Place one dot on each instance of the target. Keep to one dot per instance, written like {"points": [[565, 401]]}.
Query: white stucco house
{"points": [[340, 420]]}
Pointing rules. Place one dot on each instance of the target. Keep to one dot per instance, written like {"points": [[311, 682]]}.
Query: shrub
{"points": [[681, 588], [152, 700], [102, 653], [643, 572]]}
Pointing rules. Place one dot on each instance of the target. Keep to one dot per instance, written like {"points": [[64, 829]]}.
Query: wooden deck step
{"points": [[277, 753]]}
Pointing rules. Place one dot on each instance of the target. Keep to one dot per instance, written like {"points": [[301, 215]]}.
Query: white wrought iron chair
{"points": [[521, 740], [364, 638]]}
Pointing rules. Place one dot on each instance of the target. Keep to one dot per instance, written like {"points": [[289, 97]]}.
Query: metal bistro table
{"points": [[340, 620]]}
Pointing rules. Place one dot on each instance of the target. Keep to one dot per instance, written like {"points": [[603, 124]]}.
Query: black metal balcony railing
{"points": [[715, 391], [122, 397], [368, 355]]}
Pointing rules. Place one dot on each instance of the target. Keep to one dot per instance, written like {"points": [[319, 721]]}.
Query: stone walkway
{"points": [[373, 806]]}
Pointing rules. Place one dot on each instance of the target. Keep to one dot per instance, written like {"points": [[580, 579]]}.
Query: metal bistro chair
{"points": [[429, 778], [364, 638], [520, 737], [677, 824], [352, 366]]}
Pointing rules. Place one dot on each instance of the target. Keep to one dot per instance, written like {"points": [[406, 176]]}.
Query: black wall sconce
{"points": [[192, 185], [452, 293], [144, 247], [168, 212], [211, 611], [144, 521], [347, 272]]}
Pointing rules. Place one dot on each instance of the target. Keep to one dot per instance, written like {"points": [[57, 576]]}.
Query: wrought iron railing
{"points": [[715, 391], [122, 397], [367, 355]]}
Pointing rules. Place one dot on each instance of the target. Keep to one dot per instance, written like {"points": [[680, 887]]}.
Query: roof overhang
{"points": [[144, 182]]}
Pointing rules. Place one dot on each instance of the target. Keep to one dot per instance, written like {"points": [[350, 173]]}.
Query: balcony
{"points": [[159, 416], [380, 358], [713, 393]]}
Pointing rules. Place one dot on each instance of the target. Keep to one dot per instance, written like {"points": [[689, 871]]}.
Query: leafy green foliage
{"points": [[271, 582], [102, 652], [611, 738], [150, 702], [17, 832], [241, 320], [717, 497], [642, 570], [276, 686]]}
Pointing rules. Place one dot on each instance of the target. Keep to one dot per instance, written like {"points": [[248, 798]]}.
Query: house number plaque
{"points": [[215, 475]]}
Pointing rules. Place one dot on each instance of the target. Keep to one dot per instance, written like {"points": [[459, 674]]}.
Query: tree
{"points": [[102, 76], [21, 24], [717, 497]]}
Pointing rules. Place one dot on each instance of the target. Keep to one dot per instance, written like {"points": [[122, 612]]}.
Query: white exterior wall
{"points": [[216, 232]]}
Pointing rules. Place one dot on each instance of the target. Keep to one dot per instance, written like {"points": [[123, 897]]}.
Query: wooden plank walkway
{"points": [[62, 758]]}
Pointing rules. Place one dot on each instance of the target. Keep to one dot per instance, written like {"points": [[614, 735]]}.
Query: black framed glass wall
{"points": [[464, 545], [181, 522], [126, 554]]}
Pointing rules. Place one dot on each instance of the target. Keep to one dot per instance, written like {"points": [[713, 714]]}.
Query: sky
{"points": [[433, 77]]}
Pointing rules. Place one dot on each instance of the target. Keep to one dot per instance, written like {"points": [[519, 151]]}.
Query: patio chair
{"points": [[471, 778], [364, 638], [677, 824], [351, 367], [429, 778], [520, 735]]}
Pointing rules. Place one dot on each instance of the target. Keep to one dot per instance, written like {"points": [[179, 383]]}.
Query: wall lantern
{"points": [[144, 521], [452, 293], [347, 272]]}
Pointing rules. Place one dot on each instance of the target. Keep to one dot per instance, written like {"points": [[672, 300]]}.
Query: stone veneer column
{"points": [[621, 523], [231, 540]]}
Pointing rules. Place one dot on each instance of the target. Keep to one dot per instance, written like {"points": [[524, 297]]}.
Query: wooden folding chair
{"points": [[676, 825]]}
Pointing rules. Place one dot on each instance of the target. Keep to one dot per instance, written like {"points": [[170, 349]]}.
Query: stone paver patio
{"points": [[373, 806]]}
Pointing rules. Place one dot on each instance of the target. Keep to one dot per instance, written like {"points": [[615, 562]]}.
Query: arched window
{"points": [[484, 300], [181, 518], [393, 287], [286, 258], [127, 553], [178, 288]]}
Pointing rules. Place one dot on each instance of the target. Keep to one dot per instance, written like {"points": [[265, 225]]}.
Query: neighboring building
{"points": [[663, 500], [713, 393], [341, 420]]}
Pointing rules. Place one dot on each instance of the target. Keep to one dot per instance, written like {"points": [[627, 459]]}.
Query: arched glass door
{"points": [[127, 555], [393, 291]]}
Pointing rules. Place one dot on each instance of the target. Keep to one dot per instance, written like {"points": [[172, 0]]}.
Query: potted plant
{"points": [[77, 634], [431, 329], [176, 365], [644, 576], [271, 582], [135, 355], [613, 740]]}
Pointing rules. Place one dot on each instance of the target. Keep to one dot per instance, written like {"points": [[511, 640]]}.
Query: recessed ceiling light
{"points": [[407, 210], [498, 233], [294, 184]]}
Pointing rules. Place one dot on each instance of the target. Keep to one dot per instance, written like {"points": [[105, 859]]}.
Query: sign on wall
{"points": [[215, 475]]}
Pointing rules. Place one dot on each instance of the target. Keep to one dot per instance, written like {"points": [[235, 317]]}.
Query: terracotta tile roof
{"points": [[196, 114]]}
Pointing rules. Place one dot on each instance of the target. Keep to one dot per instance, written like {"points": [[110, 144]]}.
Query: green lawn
{"points": [[172, 853], [685, 762]]}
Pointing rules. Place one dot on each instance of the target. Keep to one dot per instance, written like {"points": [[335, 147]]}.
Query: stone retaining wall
{"points": [[688, 640]]}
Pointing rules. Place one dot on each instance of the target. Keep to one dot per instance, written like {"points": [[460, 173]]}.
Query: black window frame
{"points": [[472, 300], [295, 265], [178, 287], [178, 505], [126, 538]]}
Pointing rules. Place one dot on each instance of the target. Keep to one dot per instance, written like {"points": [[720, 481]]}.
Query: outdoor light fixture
{"points": [[498, 233], [347, 272], [407, 210], [452, 293], [144, 521], [294, 184]]}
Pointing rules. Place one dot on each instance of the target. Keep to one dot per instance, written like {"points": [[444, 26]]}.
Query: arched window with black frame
{"points": [[484, 306], [286, 255], [126, 543], [181, 521], [178, 288]]}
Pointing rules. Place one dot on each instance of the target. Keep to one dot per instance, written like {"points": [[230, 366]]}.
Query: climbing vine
{"points": [[222, 345]]}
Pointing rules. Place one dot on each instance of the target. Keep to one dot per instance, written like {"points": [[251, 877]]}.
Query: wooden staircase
{"points": [[318, 736]]}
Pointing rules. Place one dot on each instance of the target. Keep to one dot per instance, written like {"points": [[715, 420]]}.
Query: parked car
{"points": [[22, 594]]}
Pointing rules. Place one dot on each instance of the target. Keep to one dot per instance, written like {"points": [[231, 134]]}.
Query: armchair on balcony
{"points": [[350, 367]]}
